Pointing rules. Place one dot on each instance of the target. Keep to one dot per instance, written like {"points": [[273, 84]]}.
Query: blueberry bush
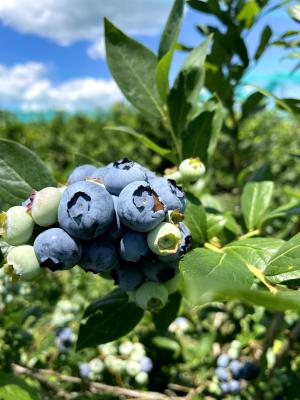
{"points": [[122, 282]]}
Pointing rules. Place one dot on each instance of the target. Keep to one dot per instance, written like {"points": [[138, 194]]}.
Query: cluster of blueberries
{"points": [[121, 221], [231, 371]]}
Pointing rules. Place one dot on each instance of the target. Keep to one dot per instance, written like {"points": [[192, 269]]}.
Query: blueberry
{"points": [[22, 263], [100, 173], [151, 296], [224, 386], [128, 276], [56, 250], [235, 367], [81, 173], [171, 195], [133, 246], [44, 206], [157, 271], [223, 360], [186, 238], [234, 386], [140, 208], [222, 374], [86, 210], [63, 338], [146, 364], [84, 370], [99, 256], [249, 371], [165, 239], [121, 174], [16, 226], [116, 229]]}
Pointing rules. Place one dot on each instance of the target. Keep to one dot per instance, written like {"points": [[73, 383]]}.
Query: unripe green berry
{"points": [[16, 226], [44, 206], [192, 169], [22, 263], [172, 285], [151, 296], [142, 378], [174, 174], [165, 239]]}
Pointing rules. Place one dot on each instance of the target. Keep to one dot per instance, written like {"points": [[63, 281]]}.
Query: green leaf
{"points": [[215, 224], [81, 159], [249, 106], [248, 13], [171, 30], [264, 42], [13, 387], [133, 67], [108, 319], [284, 211], [21, 171], [279, 102], [184, 95], [211, 276], [255, 251], [285, 263], [163, 319], [197, 136], [166, 153], [166, 343], [256, 198], [195, 219], [294, 12]]}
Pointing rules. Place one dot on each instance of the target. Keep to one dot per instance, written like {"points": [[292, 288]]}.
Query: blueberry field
{"points": [[152, 251]]}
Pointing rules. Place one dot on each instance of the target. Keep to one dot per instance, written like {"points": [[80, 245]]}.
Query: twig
{"points": [[272, 332], [94, 387]]}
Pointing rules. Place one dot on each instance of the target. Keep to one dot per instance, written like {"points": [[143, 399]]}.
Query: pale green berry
{"points": [[174, 174], [133, 368], [165, 239], [142, 378], [126, 348], [44, 206], [172, 285], [22, 263], [192, 169], [151, 296], [96, 365], [16, 226]]}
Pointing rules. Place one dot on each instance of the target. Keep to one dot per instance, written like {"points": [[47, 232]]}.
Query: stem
{"points": [[250, 234], [212, 247]]}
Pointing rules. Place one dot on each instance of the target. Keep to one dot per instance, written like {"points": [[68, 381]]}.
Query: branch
{"points": [[94, 387]]}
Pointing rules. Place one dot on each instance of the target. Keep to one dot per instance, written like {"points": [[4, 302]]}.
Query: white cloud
{"points": [[26, 86], [67, 21]]}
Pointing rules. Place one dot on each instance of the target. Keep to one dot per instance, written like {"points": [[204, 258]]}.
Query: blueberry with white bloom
{"points": [[57, 250], [86, 210], [81, 173], [121, 173], [170, 193], [222, 374], [223, 360], [116, 229], [140, 208], [146, 364]]}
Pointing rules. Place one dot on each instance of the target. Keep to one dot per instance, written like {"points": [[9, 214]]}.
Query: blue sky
{"points": [[52, 51]]}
